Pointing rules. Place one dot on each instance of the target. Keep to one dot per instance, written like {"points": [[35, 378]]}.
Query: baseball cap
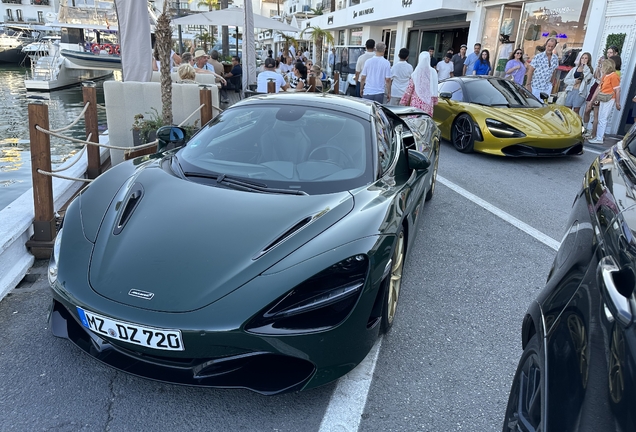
{"points": [[199, 53], [269, 62], [464, 46]]}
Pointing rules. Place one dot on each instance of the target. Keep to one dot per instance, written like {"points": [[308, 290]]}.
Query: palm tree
{"points": [[211, 5], [206, 38], [289, 41], [163, 41], [318, 36], [318, 11]]}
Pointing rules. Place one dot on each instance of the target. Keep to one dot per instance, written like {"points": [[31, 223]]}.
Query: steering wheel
{"points": [[338, 149]]}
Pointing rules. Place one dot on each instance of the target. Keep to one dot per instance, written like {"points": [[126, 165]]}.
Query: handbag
{"points": [[604, 97], [561, 99]]}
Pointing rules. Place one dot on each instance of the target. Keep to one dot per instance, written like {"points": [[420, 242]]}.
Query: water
{"points": [[15, 157]]}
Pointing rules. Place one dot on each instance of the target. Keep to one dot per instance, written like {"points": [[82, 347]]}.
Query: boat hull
{"points": [[12, 55], [66, 78], [88, 60]]}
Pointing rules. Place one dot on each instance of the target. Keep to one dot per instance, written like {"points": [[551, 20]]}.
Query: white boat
{"points": [[40, 48], [12, 39], [88, 48]]}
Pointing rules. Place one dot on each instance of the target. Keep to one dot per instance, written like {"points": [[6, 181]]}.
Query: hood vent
{"points": [[300, 225], [131, 202]]}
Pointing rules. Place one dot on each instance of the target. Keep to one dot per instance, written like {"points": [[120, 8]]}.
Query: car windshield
{"points": [[499, 93], [282, 147]]}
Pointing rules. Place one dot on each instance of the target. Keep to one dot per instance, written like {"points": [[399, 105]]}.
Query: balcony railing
{"points": [[40, 2], [12, 1]]}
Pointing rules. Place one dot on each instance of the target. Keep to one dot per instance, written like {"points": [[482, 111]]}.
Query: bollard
{"points": [[271, 86], [41, 243], [205, 99], [312, 84], [336, 83], [89, 93]]}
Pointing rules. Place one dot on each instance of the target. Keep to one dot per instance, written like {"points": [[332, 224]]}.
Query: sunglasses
{"points": [[520, 53]]}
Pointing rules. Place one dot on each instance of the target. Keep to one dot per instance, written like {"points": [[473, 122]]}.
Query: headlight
{"points": [[502, 130], [53, 262], [320, 302]]}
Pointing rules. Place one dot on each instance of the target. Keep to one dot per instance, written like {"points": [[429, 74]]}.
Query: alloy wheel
{"points": [[395, 280], [463, 133]]}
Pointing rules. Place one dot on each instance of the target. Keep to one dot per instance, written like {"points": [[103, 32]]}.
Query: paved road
{"points": [[446, 365]]}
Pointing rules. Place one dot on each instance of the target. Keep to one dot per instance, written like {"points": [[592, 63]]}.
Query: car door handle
{"points": [[620, 306]]}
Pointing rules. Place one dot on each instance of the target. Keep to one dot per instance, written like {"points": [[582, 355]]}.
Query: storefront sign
{"points": [[406, 3], [362, 12]]}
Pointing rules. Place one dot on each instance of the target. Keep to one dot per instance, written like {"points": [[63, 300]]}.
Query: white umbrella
{"points": [[249, 48], [233, 17]]}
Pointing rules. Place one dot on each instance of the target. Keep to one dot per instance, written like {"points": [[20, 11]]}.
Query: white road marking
{"points": [[348, 400], [587, 149], [543, 238]]}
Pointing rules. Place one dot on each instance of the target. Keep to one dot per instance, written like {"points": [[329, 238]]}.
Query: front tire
{"points": [[462, 133], [393, 282], [523, 412]]}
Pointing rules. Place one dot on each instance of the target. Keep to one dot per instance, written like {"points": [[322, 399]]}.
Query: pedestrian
{"points": [[482, 66], [201, 65], [445, 68], [422, 89], [375, 78], [609, 95], [578, 81], [269, 74], [216, 64], [471, 59], [515, 68], [370, 45], [458, 61], [431, 53], [541, 70], [331, 61], [400, 76], [186, 72]]}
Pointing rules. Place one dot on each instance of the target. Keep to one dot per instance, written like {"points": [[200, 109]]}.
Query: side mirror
{"points": [[170, 137], [446, 95], [544, 96], [418, 160]]}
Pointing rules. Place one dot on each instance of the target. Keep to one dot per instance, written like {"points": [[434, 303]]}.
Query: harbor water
{"points": [[15, 157]]}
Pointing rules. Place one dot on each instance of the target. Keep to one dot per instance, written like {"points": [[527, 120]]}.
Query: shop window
{"points": [[9, 15], [18, 14], [341, 37], [40, 16], [355, 36]]}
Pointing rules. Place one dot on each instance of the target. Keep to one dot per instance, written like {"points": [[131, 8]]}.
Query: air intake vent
{"points": [[131, 202], [300, 225]]}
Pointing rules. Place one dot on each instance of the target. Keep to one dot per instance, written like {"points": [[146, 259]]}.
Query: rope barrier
{"points": [[72, 163], [190, 116], [74, 121], [101, 107], [79, 141], [50, 174]]}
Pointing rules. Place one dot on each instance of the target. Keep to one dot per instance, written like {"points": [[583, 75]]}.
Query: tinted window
{"points": [[454, 88], [285, 147], [499, 92]]}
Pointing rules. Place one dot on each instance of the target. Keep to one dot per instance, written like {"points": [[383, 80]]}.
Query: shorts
{"points": [[592, 90], [574, 99]]}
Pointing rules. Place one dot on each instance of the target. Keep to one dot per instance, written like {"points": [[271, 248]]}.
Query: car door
{"points": [[446, 109], [588, 313]]}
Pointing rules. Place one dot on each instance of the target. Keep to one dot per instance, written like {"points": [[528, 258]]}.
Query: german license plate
{"points": [[150, 337]]}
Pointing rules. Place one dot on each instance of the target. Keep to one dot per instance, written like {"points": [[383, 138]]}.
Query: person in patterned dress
{"points": [[422, 89]]}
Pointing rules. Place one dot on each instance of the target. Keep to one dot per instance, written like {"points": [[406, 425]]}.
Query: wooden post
{"points": [[90, 119], [271, 87], [41, 243], [336, 83], [312, 84], [205, 99]]}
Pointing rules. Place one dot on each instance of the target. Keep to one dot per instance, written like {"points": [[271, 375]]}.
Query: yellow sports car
{"points": [[497, 116]]}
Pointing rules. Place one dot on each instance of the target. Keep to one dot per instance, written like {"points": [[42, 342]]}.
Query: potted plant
{"points": [[144, 128]]}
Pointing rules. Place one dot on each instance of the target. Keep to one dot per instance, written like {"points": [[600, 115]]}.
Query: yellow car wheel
{"points": [[462, 134]]}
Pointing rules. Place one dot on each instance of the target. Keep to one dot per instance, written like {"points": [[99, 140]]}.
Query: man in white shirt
{"points": [[286, 67], [445, 69], [375, 77], [269, 74], [370, 44], [400, 75]]}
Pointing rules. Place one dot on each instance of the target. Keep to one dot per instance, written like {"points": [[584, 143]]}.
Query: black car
{"points": [[577, 371]]}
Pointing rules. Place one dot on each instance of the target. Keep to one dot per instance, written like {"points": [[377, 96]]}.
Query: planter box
{"points": [[137, 141]]}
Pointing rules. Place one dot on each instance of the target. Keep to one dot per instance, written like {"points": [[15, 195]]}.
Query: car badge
{"points": [[141, 294]]}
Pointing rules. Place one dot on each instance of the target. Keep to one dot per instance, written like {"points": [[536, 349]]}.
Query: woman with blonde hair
{"points": [[422, 88], [608, 93], [187, 74], [578, 82]]}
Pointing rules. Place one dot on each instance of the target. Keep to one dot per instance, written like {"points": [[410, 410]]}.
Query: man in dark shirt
{"points": [[431, 51], [233, 77], [458, 61]]}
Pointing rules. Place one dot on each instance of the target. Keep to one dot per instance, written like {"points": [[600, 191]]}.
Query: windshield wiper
{"points": [[243, 185]]}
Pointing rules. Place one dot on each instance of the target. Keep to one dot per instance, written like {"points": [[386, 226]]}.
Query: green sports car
{"points": [[266, 253]]}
